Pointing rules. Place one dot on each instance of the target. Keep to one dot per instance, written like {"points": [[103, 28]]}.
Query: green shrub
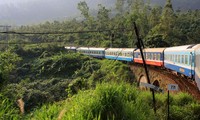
{"points": [[7, 109], [108, 101], [182, 99]]}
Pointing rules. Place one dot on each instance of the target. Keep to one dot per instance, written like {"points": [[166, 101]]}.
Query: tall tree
{"points": [[167, 17], [83, 7], [120, 6]]}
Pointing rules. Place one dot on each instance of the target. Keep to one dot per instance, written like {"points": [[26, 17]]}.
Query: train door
{"points": [[192, 64]]}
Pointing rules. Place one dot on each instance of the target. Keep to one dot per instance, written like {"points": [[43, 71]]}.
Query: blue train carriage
{"points": [[197, 65], [122, 54], [153, 56], [91, 51], [181, 59]]}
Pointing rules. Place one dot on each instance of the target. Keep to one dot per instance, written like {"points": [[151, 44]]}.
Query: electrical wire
{"points": [[70, 32]]}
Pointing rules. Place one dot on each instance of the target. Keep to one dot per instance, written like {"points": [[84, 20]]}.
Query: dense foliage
{"points": [[159, 27], [54, 81], [48, 73], [119, 101]]}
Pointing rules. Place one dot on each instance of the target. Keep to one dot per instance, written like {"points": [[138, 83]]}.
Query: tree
{"points": [[8, 61], [166, 26], [83, 7], [167, 18], [154, 17], [120, 6]]}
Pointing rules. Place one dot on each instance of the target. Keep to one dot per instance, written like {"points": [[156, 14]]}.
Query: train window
{"points": [[169, 57], [178, 58], [139, 55], [159, 56], [148, 56], [190, 60], [182, 59], [155, 56], [186, 59], [175, 59]]}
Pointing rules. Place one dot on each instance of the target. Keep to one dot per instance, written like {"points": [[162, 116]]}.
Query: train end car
{"points": [[197, 65], [71, 48], [180, 59], [121, 54], [153, 56], [91, 51]]}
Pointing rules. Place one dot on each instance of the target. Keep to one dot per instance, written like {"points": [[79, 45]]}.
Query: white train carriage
{"points": [[91, 51], [180, 59], [197, 65], [71, 48], [122, 54]]}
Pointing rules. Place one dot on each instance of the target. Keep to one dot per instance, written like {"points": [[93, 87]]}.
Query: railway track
{"points": [[163, 77]]}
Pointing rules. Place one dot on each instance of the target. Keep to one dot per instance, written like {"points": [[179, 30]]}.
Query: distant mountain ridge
{"points": [[36, 11], [177, 4], [180, 4]]}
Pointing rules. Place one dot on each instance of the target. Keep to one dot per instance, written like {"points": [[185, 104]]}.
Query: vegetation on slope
{"points": [[56, 84], [119, 101]]}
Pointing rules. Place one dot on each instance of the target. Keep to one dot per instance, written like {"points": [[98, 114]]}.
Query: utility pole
{"points": [[140, 45]]}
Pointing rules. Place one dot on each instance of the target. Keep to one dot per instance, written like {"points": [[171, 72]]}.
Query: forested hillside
{"points": [[158, 26]]}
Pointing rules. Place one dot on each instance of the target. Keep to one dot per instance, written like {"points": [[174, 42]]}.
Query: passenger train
{"points": [[184, 60]]}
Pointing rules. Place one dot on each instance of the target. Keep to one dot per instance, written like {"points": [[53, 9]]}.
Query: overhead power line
{"points": [[70, 32]]}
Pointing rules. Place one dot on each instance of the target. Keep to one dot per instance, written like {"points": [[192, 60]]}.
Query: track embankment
{"points": [[163, 77]]}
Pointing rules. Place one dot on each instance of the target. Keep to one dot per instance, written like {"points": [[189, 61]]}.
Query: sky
{"points": [[24, 12], [21, 12]]}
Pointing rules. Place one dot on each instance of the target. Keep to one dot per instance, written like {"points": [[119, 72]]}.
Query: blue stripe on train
{"points": [[129, 59], [180, 69], [95, 55]]}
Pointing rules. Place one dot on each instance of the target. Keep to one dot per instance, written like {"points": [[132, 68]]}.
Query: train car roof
{"points": [[151, 50], [197, 46], [191, 47], [67, 47], [120, 49], [90, 48]]}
